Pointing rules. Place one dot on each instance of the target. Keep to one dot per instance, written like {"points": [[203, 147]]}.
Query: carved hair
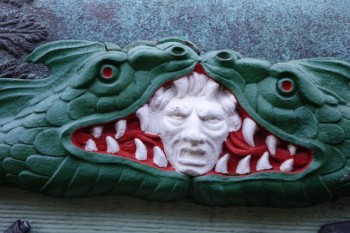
{"points": [[193, 85]]}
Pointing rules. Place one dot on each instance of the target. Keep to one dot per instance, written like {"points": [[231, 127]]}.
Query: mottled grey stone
{"points": [[271, 29]]}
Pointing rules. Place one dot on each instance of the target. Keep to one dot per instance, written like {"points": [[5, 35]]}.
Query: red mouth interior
{"points": [[238, 148], [234, 144], [126, 142]]}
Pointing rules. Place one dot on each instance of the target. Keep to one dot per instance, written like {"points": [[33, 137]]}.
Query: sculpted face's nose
{"points": [[192, 130]]}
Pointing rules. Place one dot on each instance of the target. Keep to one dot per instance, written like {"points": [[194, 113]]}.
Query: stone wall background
{"points": [[269, 29]]}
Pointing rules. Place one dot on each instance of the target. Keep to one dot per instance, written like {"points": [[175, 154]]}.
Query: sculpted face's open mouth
{"points": [[248, 148]]}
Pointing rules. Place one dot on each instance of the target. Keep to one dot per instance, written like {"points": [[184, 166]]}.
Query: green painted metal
{"points": [[38, 117]]}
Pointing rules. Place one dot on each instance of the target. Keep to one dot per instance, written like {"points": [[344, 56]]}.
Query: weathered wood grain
{"points": [[125, 214]]}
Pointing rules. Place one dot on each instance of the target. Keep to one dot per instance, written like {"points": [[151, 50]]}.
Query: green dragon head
{"points": [[281, 130]]}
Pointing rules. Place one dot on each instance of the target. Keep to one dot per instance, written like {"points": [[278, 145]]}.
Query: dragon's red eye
{"points": [[107, 72], [287, 85]]}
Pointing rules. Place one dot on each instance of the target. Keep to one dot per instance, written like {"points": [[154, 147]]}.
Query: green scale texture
{"points": [[38, 117]]}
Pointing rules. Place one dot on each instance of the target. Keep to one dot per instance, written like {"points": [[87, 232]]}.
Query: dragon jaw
{"points": [[248, 150]]}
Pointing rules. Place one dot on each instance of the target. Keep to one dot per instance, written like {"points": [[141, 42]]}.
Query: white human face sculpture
{"points": [[193, 118], [193, 130]]}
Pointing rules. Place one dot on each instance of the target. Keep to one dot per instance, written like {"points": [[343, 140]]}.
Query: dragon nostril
{"points": [[224, 56], [178, 51]]}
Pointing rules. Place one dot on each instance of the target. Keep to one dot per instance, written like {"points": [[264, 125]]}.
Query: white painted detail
{"points": [[212, 89], [193, 116], [120, 128], [292, 149], [236, 122], [248, 130], [264, 163], [141, 150], [243, 166], [287, 165], [143, 115], [271, 142], [97, 131], [159, 157], [91, 145], [112, 145], [221, 165]]}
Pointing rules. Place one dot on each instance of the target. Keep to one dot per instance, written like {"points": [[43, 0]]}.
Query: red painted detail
{"points": [[107, 72], [199, 69], [287, 85]]}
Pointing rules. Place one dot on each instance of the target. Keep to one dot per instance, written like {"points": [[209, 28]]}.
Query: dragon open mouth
{"points": [[249, 150]]}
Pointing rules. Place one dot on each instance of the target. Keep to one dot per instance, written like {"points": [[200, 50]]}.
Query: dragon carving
{"points": [[161, 121]]}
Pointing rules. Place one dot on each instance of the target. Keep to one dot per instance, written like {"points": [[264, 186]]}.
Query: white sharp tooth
{"points": [[159, 157], [271, 142], [141, 150], [143, 115], [248, 130], [263, 163], [97, 131], [221, 165], [292, 149], [112, 145], [90, 145], [287, 165], [120, 127], [244, 165]]}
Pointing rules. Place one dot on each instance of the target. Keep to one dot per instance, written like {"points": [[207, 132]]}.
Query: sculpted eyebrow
{"points": [[211, 112], [175, 110]]}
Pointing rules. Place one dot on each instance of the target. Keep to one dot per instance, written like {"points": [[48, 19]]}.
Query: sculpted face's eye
{"points": [[212, 119], [286, 86], [177, 116], [109, 73]]}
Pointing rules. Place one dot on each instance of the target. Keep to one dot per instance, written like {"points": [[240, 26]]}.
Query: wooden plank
{"points": [[125, 214]]}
